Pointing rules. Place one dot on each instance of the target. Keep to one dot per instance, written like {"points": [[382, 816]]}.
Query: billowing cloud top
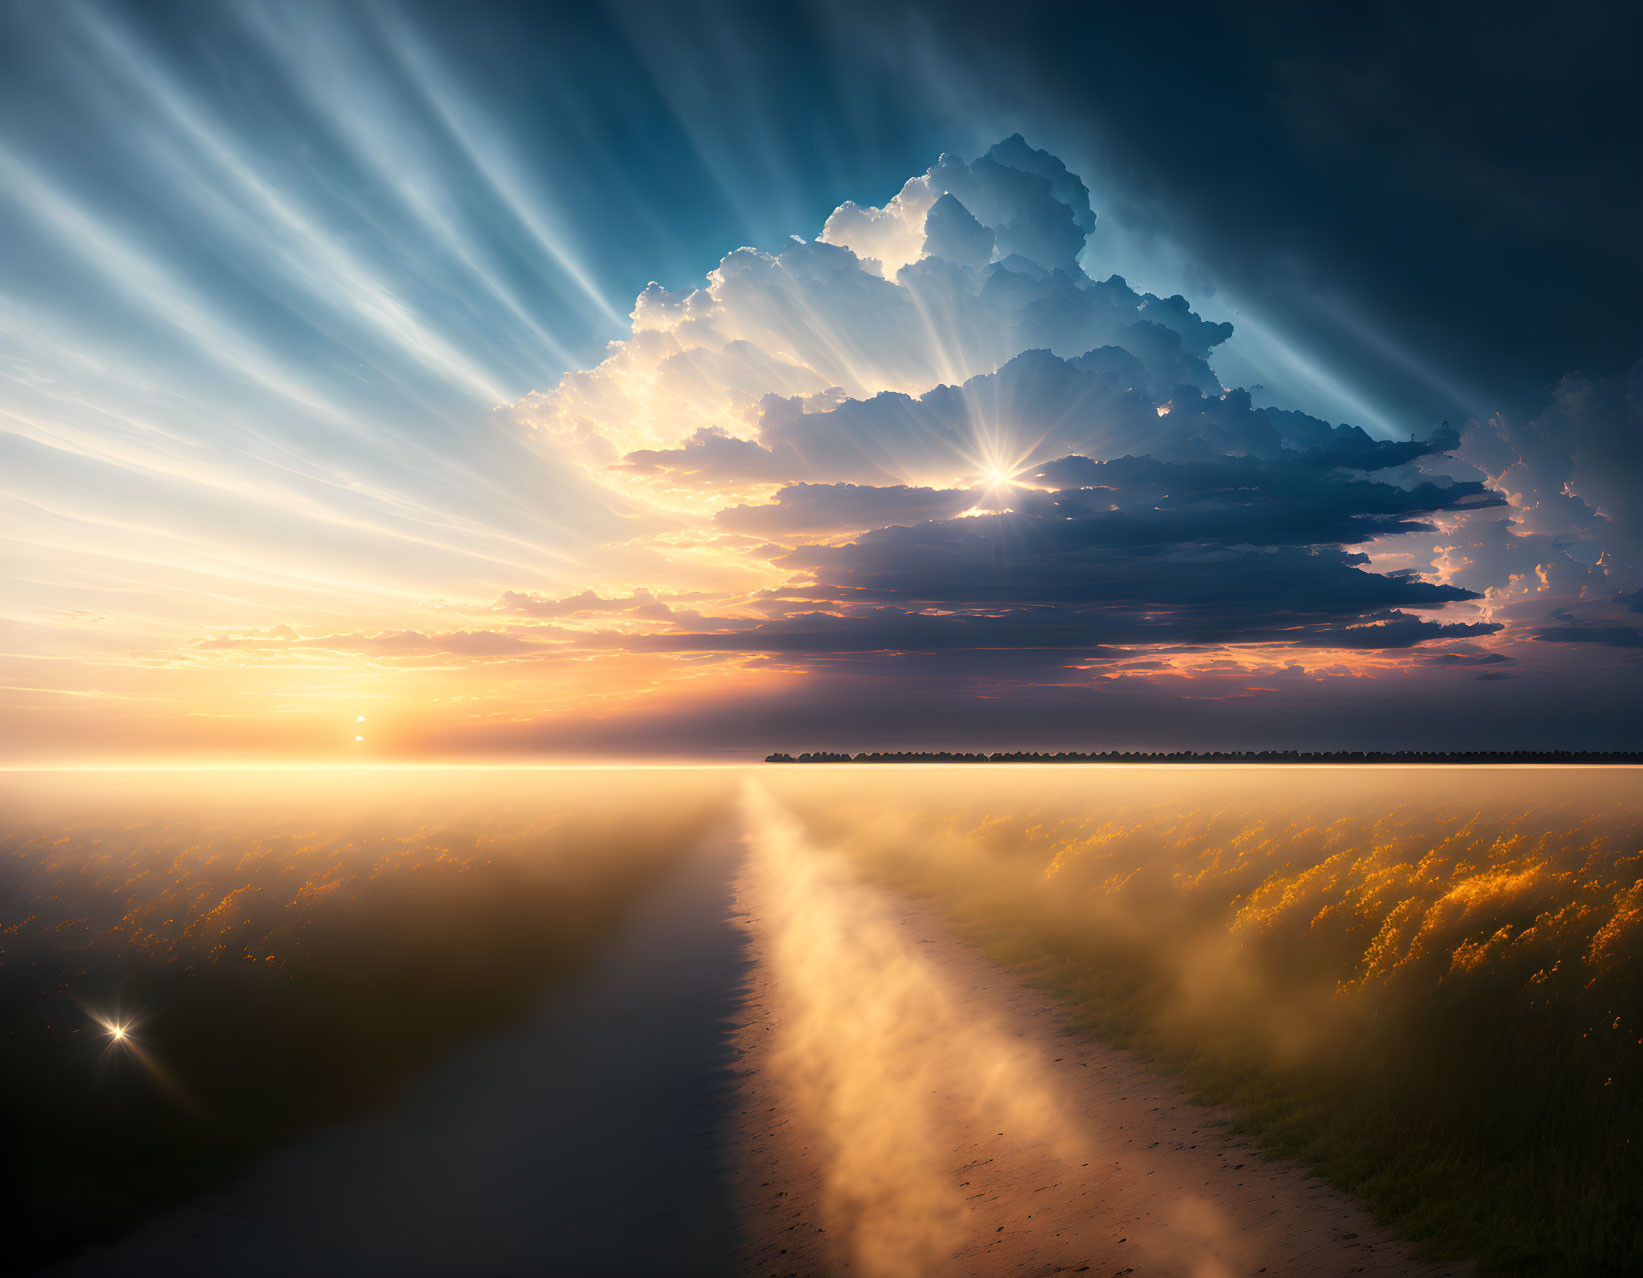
{"points": [[967, 267]]}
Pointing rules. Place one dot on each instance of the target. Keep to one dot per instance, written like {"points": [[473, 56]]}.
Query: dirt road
{"points": [[587, 1141], [911, 1108], [775, 1068]]}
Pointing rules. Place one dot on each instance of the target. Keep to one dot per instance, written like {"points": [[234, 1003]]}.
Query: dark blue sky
{"points": [[1430, 209]]}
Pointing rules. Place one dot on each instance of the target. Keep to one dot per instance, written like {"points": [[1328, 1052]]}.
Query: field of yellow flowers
{"points": [[1426, 982]]}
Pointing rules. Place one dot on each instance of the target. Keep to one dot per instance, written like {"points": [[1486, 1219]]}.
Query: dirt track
{"points": [[910, 1107]]}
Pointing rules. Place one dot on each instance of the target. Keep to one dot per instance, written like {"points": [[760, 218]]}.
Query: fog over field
{"points": [[1423, 981], [1419, 984]]}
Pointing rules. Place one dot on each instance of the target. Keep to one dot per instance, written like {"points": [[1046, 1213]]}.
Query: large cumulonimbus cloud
{"points": [[934, 430], [866, 309]]}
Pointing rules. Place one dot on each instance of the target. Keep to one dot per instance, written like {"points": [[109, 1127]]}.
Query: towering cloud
{"points": [[936, 440], [873, 306]]}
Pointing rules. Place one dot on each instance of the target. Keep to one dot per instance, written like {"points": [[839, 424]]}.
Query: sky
{"points": [[414, 381]]}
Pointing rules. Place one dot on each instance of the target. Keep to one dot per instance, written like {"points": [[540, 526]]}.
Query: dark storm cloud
{"points": [[817, 508], [1213, 522], [1221, 549], [1008, 637], [1214, 591], [1233, 500], [882, 631], [1563, 627], [1467, 660], [1242, 539]]}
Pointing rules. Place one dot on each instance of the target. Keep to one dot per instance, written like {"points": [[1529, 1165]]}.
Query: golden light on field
{"points": [[1445, 945]]}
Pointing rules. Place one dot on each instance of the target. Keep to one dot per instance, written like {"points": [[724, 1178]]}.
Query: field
{"points": [[1424, 983], [1427, 983], [286, 949]]}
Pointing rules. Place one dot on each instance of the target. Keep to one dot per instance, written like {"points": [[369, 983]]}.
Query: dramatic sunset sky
{"points": [[463, 381]]}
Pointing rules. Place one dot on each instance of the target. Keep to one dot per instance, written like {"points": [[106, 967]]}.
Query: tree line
{"points": [[1218, 756]]}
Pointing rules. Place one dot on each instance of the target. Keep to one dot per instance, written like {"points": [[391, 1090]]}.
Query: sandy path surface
{"points": [[909, 1107]]}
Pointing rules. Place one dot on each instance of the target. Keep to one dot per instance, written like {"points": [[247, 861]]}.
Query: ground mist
{"points": [[1426, 983]]}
